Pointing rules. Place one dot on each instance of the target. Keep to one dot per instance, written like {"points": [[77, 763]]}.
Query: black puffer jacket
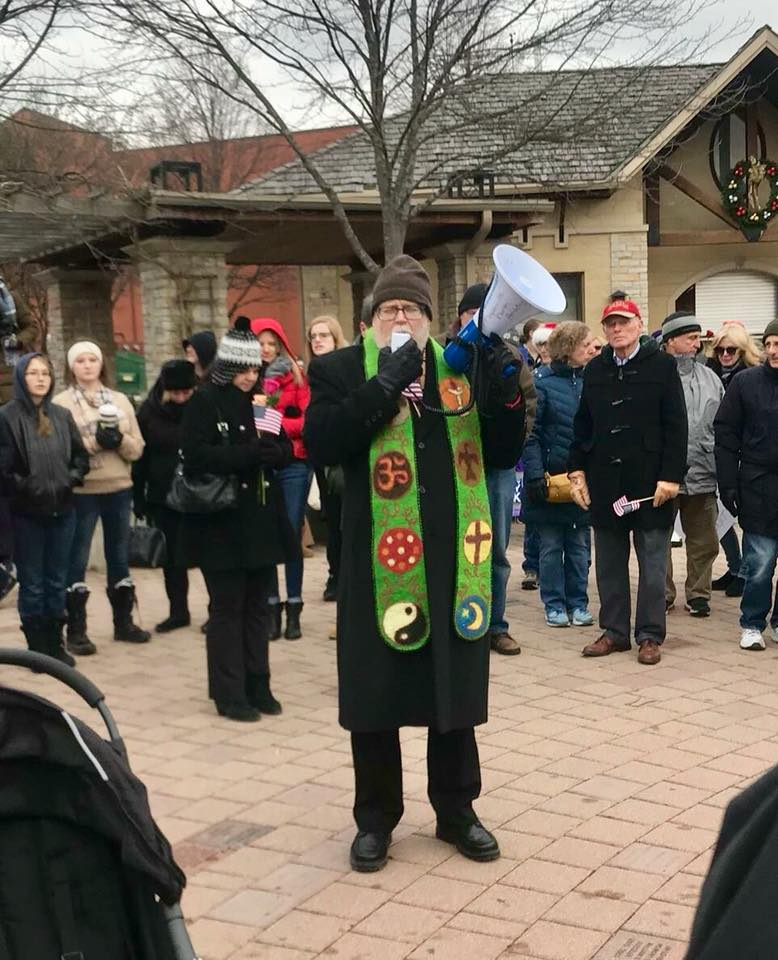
{"points": [[747, 448], [161, 426], [39, 472]]}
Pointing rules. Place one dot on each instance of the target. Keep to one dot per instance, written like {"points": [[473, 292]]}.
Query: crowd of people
{"points": [[618, 440]]}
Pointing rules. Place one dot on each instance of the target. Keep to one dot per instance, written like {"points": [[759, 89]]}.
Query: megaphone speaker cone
{"points": [[521, 289]]}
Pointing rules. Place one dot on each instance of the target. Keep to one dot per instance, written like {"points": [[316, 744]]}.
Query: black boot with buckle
{"points": [[122, 597]]}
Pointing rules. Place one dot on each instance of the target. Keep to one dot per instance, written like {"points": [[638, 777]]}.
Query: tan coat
{"points": [[109, 470]]}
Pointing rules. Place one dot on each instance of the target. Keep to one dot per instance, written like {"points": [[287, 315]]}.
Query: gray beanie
{"points": [[771, 330], [679, 322]]}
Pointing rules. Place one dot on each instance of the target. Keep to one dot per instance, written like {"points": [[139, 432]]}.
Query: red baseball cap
{"points": [[621, 308]]}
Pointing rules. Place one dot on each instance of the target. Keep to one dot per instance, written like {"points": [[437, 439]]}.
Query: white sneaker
{"points": [[751, 639], [774, 632]]}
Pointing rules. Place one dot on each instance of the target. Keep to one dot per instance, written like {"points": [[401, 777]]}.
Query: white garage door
{"points": [[739, 295]]}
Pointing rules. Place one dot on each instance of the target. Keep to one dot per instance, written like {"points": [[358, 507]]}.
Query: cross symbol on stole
{"points": [[477, 539], [468, 455]]}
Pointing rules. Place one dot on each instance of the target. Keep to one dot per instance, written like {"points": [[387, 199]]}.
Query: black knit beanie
{"points": [[472, 298], [403, 278], [178, 375], [238, 351], [678, 323], [771, 330]]}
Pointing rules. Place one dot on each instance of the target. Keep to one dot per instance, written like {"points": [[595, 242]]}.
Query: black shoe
{"points": [[204, 626], [699, 607], [723, 581], [122, 597], [530, 581], [293, 610], [369, 851], [472, 840], [172, 623], [735, 589], [276, 620], [330, 589], [258, 694], [242, 712], [76, 636], [669, 604]]}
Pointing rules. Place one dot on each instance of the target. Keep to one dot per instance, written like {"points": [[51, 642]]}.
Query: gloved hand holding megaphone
{"points": [[520, 288]]}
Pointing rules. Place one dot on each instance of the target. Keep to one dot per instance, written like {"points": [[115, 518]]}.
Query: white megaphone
{"points": [[521, 288]]}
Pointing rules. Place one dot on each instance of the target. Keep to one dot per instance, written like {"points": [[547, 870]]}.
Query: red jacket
{"points": [[292, 396]]}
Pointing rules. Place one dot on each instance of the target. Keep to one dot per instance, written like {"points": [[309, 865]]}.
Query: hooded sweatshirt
{"points": [[39, 470], [204, 345], [278, 383]]}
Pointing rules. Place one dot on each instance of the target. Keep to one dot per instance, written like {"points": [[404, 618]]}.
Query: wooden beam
{"points": [[666, 172], [693, 238]]}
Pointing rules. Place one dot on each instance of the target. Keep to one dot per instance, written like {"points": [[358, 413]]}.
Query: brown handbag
{"points": [[558, 489]]}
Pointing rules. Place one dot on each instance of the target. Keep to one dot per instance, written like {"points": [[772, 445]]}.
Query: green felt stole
{"points": [[399, 572]]}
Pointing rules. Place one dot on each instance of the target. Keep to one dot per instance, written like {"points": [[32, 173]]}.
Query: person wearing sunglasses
{"points": [[733, 352]]}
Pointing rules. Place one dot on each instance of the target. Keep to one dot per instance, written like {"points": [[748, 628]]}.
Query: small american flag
{"points": [[622, 506], [267, 419], [414, 392]]}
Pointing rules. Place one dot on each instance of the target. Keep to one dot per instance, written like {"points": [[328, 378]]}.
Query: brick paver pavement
{"points": [[603, 780]]}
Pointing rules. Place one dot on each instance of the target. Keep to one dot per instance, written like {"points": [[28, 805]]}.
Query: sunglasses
{"points": [[730, 351]]}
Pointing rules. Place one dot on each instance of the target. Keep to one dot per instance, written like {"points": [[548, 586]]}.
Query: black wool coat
{"points": [[161, 426], [254, 534], [746, 429], [444, 684], [629, 432]]}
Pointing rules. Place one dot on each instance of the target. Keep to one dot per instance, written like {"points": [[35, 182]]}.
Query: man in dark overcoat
{"points": [[424, 663], [629, 444]]}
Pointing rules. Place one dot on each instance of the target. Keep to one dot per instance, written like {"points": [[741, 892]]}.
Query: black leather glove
{"points": [[109, 438], [271, 452], [139, 508], [497, 357], [537, 491], [396, 370], [729, 499]]}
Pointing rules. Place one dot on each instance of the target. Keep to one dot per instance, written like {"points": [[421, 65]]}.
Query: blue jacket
{"points": [[547, 449]]}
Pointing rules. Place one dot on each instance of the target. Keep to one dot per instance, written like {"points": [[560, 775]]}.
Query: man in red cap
{"points": [[630, 438]]}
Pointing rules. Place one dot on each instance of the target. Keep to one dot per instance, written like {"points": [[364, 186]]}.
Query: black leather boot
{"points": [[258, 694], [276, 620], [54, 627], [293, 610], [35, 632], [77, 640], [122, 597]]}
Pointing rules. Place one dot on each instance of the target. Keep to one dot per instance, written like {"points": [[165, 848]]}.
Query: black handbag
{"points": [[147, 547], [204, 493]]}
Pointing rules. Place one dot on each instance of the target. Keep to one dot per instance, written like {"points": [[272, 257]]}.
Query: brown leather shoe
{"points": [[649, 653], [504, 643], [602, 646]]}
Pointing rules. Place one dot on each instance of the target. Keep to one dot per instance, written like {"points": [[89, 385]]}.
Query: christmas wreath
{"points": [[740, 196]]}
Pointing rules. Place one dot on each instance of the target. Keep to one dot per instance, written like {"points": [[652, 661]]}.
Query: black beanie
{"points": [[771, 330], [473, 298], [204, 345], [178, 375], [403, 278]]}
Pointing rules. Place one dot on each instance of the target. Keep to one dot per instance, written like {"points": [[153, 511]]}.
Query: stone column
{"points": [[79, 308], [629, 267], [183, 285], [361, 282], [452, 265]]}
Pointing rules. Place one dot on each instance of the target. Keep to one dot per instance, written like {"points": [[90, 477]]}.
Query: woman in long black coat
{"points": [[237, 549], [160, 418]]}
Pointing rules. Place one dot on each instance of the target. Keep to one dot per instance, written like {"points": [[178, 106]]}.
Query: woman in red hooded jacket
{"points": [[286, 388]]}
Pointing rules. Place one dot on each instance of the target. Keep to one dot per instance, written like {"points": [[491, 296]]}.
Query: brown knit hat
{"points": [[403, 278], [771, 330]]}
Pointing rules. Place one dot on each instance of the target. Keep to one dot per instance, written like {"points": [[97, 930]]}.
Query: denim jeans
{"points": [[295, 483], [42, 550], [499, 486], [531, 562], [758, 566], [113, 509], [565, 551]]}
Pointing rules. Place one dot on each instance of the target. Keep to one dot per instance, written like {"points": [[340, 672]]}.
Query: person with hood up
{"points": [[199, 350], [42, 459], [160, 418], [629, 444], [285, 387], [237, 548], [696, 503]]}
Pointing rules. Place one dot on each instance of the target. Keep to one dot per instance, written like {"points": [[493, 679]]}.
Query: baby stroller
{"points": [[85, 873]]}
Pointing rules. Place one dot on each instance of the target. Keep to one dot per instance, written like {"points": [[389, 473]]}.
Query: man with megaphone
{"points": [[412, 434]]}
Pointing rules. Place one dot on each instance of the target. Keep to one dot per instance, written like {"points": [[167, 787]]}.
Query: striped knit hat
{"points": [[238, 351]]}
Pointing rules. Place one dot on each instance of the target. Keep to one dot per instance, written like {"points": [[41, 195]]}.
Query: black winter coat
{"points": [[444, 684], [254, 534], [630, 431], [39, 472], [161, 426], [746, 428]]}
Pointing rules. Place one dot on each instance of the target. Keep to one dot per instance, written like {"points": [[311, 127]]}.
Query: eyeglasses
{"points": [[411, 311], [730, 351], [320, 336]]}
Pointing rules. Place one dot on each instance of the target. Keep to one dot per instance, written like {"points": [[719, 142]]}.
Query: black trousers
{"points": [[611, 559], [453, 777], [176, 577], [332, 505], [238, 630]]}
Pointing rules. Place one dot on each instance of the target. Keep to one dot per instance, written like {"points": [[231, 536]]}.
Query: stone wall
{"points": [[629, 267]]}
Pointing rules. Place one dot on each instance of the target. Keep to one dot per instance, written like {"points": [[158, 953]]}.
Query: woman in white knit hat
{"points": [[111, 435]]}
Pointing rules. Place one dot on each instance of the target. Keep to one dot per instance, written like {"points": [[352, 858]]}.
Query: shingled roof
{"points": [[566, 128]]}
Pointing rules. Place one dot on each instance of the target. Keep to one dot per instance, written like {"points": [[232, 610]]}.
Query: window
{"points": [[735, 295], [572, 287], [728, 145]]}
